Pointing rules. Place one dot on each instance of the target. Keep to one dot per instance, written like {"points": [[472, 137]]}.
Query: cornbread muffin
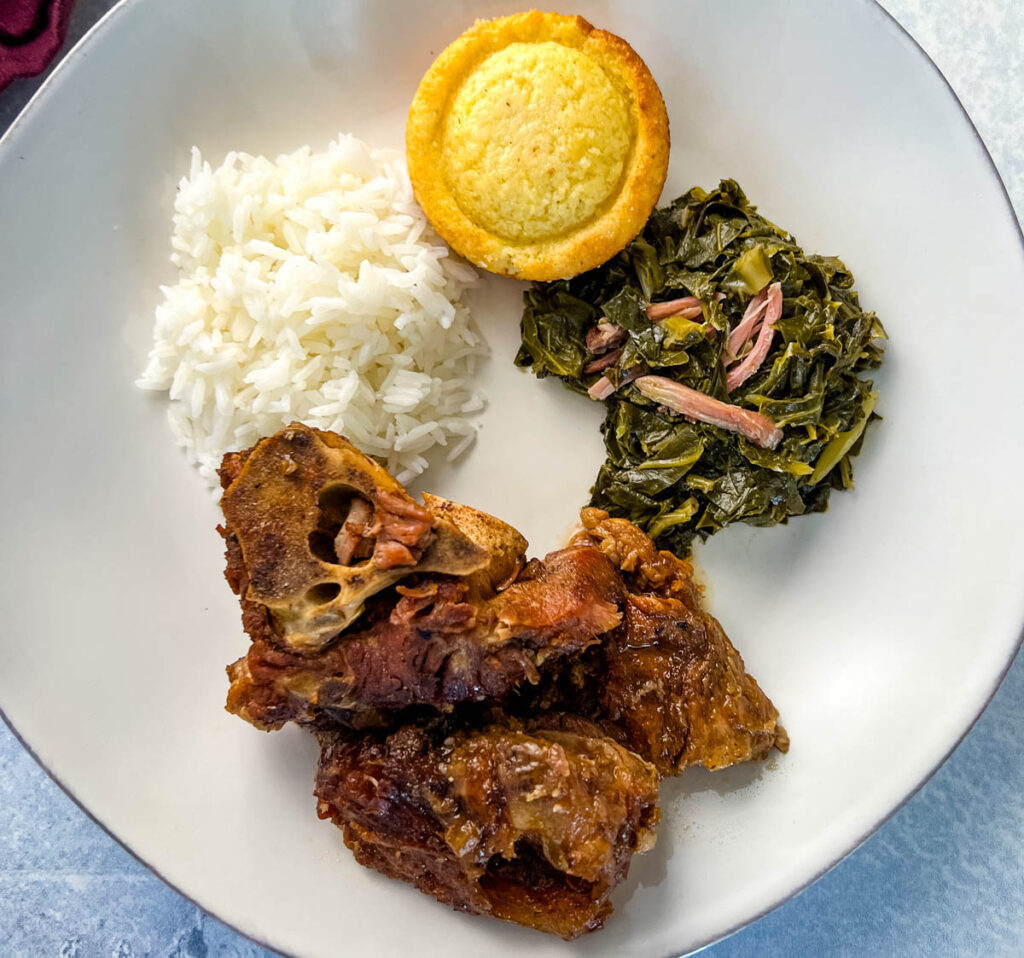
{"points": [[538, 145]]}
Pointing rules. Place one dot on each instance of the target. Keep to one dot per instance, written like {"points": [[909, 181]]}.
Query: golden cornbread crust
{"points": [[518, 191]]}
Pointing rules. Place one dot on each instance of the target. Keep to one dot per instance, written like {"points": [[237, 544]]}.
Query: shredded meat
{"points": [[403, 531], [601, 389], [604, 387], [353, 540], [746, 327], [689, 307], [602, 362], [533, 822], [750, 363], [605, 336], [694, 404]]}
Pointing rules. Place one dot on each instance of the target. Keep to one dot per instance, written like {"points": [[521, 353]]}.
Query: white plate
{"points": [[880, 629]]}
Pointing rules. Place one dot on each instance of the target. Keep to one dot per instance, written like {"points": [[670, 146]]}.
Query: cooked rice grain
{"points": [[313, 288]]}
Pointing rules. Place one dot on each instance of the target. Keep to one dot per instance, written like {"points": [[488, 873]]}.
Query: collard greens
{"points": [[678, 479]]}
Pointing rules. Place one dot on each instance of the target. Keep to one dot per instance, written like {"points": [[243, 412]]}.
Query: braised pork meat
{"points": [[534, 822], [436, 642], [668, 679], [492, 728], [459, 616]]}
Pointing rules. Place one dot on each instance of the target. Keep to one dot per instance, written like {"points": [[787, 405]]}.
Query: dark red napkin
{"points": [[31, 33]]}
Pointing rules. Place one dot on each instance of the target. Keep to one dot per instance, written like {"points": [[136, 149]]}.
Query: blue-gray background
{"points": [[944, 877]]}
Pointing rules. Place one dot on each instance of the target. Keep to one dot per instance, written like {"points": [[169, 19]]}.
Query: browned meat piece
{"points": [[437, 642], [531, 822], [669, 679], [395, 630], [320, 528]]}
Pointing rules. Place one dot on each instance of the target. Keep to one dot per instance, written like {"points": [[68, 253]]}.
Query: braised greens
{"points": [[675, 478]]}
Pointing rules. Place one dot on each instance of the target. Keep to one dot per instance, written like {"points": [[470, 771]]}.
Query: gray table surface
{"points": [[944, 877]]}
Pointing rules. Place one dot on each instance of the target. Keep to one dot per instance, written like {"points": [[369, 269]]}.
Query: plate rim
{"points": [[890, 22]]}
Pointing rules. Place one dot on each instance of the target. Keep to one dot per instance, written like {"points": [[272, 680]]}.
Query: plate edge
{"points": [[876, 8]]}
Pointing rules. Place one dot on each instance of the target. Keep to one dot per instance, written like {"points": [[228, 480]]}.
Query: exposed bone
{"points": [[274, 511]]}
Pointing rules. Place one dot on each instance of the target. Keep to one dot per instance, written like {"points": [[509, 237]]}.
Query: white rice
{"points": [[313, 288]]}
